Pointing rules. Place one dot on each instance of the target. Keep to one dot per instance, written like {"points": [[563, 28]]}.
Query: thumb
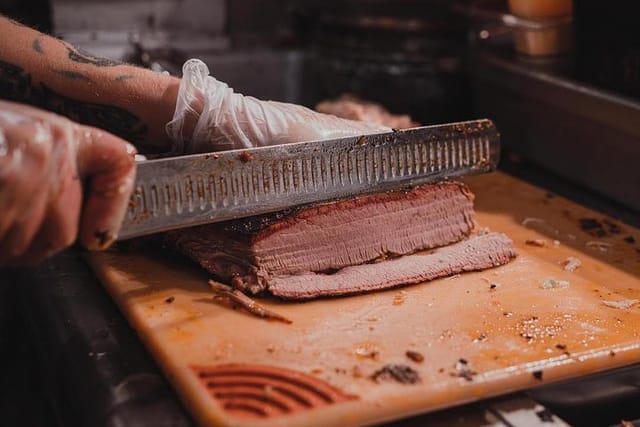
{"points": [[108, 164]]}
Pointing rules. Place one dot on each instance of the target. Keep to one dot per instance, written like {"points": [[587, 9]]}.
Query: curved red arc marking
{"points": [[252, 391], [299, 399], [329, 394], [231, 396]]}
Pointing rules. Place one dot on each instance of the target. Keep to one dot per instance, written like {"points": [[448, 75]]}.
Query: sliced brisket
{"points": [[476, 253], [254, 253]]}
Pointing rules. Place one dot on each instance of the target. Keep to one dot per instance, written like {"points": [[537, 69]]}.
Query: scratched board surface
{"points": [[453, 340]]}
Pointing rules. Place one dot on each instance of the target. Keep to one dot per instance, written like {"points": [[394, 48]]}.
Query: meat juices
{"points": [[302, 253]]}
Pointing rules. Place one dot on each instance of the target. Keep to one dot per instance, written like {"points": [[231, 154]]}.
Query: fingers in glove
{"points": [[229, 120], [20, 236], [60, 226], [108, 162], [24, 183]]}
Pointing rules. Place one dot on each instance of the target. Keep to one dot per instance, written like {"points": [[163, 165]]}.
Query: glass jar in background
{"points": [[541, 9], [551, 30]]}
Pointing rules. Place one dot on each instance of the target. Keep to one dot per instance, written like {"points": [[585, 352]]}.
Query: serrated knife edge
{"points": [[198, 189]]}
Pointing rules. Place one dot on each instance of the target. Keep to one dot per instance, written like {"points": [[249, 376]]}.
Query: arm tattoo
{"points": [[37, 46], [78, 55], [17, 85], [70, 74]]}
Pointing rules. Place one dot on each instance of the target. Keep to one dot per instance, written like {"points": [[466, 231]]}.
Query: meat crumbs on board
{"points": [[402, 374], [463, 370], [241, 300], [415, 356], [541, 243]]}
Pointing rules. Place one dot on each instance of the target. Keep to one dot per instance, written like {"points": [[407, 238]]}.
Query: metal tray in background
{"points": [[588, 136]]}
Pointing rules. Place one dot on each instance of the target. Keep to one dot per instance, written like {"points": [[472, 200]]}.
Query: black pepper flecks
{"points": [[612, 227], [462, 370], [629, 239], [537, 375], [597, 228], [545, 415], [526, 336], [170, 299], [589, 223], [592, 226], [482, 337], [467, 374], [399, 373]]}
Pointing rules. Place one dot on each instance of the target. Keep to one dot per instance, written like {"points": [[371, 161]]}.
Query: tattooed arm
{"points": [[131, 102]]}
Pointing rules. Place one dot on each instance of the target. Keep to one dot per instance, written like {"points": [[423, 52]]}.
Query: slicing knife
{"points": [[198, 189]]}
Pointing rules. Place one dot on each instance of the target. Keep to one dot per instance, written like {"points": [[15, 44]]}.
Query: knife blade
{"points": [[198, 189]]}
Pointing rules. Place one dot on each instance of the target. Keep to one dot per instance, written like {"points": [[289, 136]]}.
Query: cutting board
{"points": [[480, 334]]}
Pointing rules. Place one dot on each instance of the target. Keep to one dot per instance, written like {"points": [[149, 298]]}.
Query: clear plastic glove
{"points": [[45, 202], [209, 116]]}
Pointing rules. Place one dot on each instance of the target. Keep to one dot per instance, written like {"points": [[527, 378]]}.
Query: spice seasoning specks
{"points": [[399, 373]]}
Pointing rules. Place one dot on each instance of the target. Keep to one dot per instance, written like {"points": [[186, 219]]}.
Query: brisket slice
{"points": [[476, 253], [250, 253]]}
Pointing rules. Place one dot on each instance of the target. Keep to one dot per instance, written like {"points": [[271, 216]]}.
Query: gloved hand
{"points": [[43, 159], [209, 116]]}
